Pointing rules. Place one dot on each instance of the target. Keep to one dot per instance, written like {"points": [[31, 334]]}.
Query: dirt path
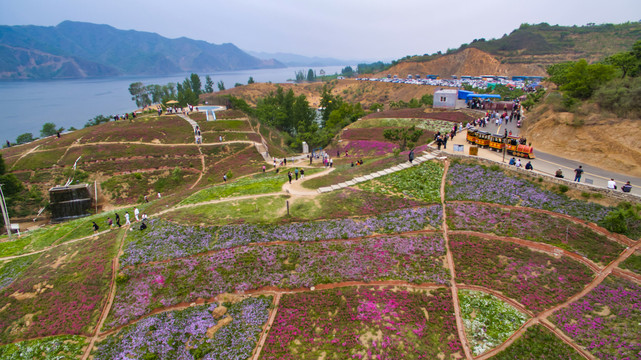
{"points": [[23, 155], [296, 187], [110, 298], [450, 264], [268, 325]]}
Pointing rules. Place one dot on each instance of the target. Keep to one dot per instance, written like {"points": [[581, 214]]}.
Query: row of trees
{"points": [[185, 93], [300, 76]]}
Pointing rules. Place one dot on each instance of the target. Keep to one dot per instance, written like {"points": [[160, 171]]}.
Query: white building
{"points": [[445, 98]]}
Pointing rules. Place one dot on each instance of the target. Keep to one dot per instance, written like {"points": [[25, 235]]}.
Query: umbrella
{"points": [[171, 102]]}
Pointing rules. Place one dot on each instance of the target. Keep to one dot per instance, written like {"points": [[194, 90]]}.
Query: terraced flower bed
{"points": [[10, 270], [243, 162], [479, 183], [533, 226], [376, 134], [536, 280], [44, 159], [258, 184], [131, 188], [210, 332], [416, 259], [488, 321], [538, 343], [606, 321], [48, 348], [346, 202], [168, 129], [421, 182], [166, 240], [364, 323], [60, 293], [225, 125]]}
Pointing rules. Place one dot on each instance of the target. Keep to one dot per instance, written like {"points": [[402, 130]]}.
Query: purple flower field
{"points": [[164, 240], [183, 334], [479, 183], [415, 259], [606, 321]]}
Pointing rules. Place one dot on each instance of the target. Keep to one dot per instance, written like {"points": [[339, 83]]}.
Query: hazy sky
{"points": [[345, 29]]}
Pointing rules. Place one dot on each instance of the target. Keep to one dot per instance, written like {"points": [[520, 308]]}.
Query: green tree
{"points": [[3, 167], [427, 99], [24, 138], [250, 81], [209, 85], [300, 76], [584, 79], [310, 75], [139, 94], [49, 129], [221, 85], [405, 137], [99, 119], [196, 85], [347, 71], [238, 84], [328, 103], [624, 61]]}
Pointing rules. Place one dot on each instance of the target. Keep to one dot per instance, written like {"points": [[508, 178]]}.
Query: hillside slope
{"points": [[470, 61], [101, 50], [598, 139], [364, 92]]}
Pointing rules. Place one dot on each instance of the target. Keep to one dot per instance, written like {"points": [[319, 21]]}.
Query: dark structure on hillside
{"points": [[69, 202]]}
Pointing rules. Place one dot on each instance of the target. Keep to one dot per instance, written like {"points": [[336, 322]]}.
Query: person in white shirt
{"points": [[127, 222], [612, 184], [136, 213], [518, 163]]}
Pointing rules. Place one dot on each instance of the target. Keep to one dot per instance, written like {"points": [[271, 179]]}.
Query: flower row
{"points": [[364, 323], [416, 259], [164, 240], [536, 280], [533, 226], [199, 332], [479, 183]]}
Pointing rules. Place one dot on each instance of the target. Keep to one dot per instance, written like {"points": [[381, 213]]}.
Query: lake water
{"points": [[26, 105]]}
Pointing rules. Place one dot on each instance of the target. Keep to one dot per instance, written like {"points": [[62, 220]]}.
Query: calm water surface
{"points": [[26, 105]]}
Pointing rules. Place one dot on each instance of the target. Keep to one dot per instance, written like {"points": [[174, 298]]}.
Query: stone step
{"points": [[350, 183], [404, 165], [360, 179], [324, 189], [396, 168], [387, 171], [335, 187], [368, 177]]}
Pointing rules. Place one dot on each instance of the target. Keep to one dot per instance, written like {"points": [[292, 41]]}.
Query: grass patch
{"points": [[49, 348], [538, 343], [266, 209], [488, 321], [257, 184], [422, 182]]}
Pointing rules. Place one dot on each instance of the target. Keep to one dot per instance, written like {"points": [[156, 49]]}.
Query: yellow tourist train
{"points": [[498, 143]]}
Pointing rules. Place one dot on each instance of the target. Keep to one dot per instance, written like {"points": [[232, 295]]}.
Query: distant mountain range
{"points": [[300, 60], [79, 50]]}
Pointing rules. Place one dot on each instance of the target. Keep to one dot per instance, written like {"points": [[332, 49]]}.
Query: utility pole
{"points": [[5, 214], [504, 144]]}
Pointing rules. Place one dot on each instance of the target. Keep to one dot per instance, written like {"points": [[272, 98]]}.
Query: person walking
{"points": [[612, 184], [411, 156], [578, 171], [302, 173], [127, 222], [95, 227], [117, 219], [263, 168], [110, 222], [225, 177], [136, 213], [289, 175], [296, 173]]}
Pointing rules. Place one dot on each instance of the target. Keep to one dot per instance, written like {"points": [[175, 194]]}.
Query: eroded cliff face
{"points": [[590, 136], [472, 62]]}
